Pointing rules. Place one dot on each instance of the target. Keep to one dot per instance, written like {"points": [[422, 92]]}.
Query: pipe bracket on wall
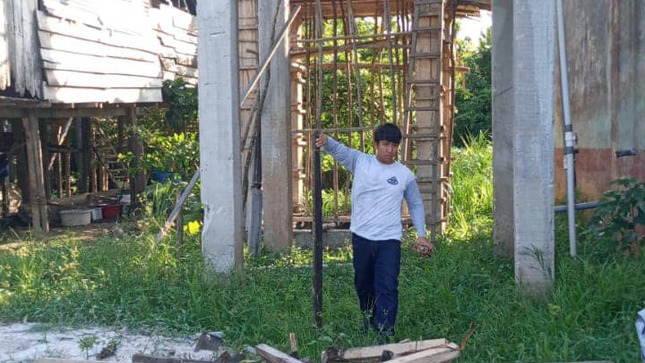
{"points": [[623, 153]]}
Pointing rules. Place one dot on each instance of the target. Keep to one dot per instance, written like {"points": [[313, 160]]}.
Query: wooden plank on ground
{"points": [[147, 358], [60, 360], [443, 354], [374, 352], [273, 355]]}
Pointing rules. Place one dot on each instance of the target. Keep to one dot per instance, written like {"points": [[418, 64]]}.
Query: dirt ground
{"points": [[26, 342]]}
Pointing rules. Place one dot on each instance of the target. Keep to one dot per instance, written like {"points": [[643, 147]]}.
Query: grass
{"points": [[465, 290], [472, 188]]}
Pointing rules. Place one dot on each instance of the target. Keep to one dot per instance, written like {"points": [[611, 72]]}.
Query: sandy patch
{"points": [[28, 342]]}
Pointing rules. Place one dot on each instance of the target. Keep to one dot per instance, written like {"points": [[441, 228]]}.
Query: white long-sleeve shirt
{"points": [[378, 191]]}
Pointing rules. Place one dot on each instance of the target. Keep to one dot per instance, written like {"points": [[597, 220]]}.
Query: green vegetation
{"points": [[473, 95], [464, 293], [621, 214], [88, 343], [471, 210], [124, 279]]}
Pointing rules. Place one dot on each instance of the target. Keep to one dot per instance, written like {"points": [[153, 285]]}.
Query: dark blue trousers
{"points": [[376, 278]]}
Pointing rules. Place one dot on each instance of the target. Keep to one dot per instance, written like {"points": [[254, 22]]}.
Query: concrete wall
{"points": [[606, 61]]}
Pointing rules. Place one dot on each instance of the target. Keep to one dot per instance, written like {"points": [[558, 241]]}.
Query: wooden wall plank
{"points": [[16, 113], [81, 46], [167, 75], [23, 47], [177, 46], [181, 19], [110, 37], [93, 80], [5, 75], [127, 17], [171, 65], [114, 95], [54, 59], [91, 52]]}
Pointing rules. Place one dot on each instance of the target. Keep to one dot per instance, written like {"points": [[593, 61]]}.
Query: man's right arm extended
{"points": [[344, 155]]}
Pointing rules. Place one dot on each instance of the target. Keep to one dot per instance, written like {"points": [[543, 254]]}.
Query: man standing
{"points": [[380, 184]]}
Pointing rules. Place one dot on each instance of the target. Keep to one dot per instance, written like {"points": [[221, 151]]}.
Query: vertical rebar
{"points": [[317, 190]]}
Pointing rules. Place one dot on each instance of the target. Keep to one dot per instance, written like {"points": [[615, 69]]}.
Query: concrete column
{"points": [[219, 132], [523, 138], [503, 108], [533, 143], [276, 128]]}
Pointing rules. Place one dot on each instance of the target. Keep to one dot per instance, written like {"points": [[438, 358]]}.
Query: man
{"points": [[380, 184]]}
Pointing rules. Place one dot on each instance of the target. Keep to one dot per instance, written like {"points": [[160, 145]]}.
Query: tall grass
{"points": [[471, 209], [464, 293]]}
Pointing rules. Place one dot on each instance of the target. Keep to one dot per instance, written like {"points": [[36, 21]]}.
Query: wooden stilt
{"points": [[36, 175], [45, 155], [22, 175], [138, 181]]}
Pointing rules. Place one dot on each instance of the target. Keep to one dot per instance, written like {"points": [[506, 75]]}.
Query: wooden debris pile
{"points": [[423, 351]]}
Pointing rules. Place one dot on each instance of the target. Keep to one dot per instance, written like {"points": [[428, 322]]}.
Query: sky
{"points": [[473, 27]]}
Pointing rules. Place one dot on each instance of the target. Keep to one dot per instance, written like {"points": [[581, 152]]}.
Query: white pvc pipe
{"points": [[567, 129]]}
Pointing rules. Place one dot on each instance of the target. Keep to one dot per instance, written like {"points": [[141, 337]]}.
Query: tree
{"points": [[474, 93]]}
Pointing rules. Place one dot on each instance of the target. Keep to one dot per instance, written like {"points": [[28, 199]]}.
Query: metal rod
{"points": [[356, 36], [317, 189], [175, 212], [567, 130], [579, 206], [388, 28]]}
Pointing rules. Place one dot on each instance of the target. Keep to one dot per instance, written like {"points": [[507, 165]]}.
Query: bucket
{"points": [[111, 211], [75, 217], [96, 213], [125, 199], [162, 176]]}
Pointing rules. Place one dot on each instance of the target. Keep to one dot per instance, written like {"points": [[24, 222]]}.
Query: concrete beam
{"points": [[219, 133]]}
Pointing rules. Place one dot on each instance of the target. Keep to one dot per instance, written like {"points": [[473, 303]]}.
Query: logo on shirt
{"points": [[393, 181]]}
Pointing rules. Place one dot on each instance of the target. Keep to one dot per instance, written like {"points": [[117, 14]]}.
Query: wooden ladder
{"points": [[426, 137], [109, 158]]}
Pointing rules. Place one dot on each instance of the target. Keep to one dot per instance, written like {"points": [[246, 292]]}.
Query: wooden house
{"points": [[66, 66]]}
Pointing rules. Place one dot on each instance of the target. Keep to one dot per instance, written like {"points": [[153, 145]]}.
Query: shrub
{"points": [[621, 213]]}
